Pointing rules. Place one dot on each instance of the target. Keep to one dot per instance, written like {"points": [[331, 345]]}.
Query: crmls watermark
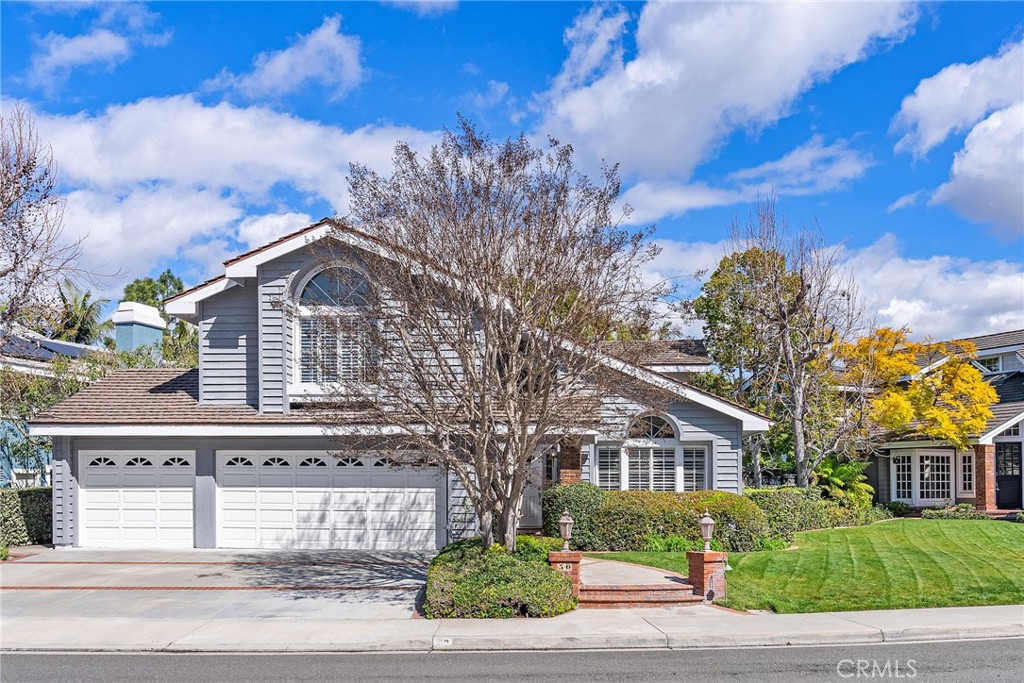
{"points": [[872, 668]]}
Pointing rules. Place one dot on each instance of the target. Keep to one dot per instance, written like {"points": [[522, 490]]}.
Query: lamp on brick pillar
{"points": [[707, 527], [565, 528]]}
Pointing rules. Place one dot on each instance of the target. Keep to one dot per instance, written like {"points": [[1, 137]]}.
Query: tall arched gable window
{"points": [[333, 342]]}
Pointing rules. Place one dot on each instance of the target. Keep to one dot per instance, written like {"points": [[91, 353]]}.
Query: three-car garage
{"points": [[262, 499]]}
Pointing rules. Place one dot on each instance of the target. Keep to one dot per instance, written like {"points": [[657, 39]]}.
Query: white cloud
{"points": [[424, 8], [985, 97], [325, 56], [700, 72], [939, 296], [957, 97], [127, 234], [258, 230], [163, 177], [986, 182], [495, 93], [113, 35], [812, 168], [59, 54], [909, 199]]}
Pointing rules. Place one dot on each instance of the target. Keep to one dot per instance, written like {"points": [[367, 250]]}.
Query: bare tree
{"points": [[34, 255], [492, 273], [783, 304]]}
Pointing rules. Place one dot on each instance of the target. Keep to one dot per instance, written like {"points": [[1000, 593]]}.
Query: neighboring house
{"points": [[231, 455], [28, 353], [925, 473]]}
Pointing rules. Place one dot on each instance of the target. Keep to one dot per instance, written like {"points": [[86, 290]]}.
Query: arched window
{"points": [[333, 340], [651, 427]]}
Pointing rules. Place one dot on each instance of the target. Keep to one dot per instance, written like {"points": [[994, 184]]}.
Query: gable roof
{"points": [[997, 340], [185, 305], [659, 352]]}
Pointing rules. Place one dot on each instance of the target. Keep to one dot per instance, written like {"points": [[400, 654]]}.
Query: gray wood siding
{"points": [[701, 425], [229, 348], [275, 278], [64, 490], [461, 518]]}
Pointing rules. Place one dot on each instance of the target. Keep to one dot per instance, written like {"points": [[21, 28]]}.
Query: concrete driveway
{"points": [[212, 584]]}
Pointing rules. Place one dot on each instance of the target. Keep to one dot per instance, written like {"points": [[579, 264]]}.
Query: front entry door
{"points": [[1008, 479]]}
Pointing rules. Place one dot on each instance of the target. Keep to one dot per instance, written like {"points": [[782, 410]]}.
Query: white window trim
{"points": [[915, 480], [961, 490], [298, 388], [632, 444], [986, 369]]}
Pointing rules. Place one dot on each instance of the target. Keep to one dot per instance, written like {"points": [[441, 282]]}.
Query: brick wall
{"points": [[985, 477], [570, 465]]}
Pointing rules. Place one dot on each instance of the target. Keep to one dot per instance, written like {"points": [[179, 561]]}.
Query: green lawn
{"points": [[888, 565]]}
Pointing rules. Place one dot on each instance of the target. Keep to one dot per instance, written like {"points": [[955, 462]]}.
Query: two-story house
{"points": [[230, 455], [927, 473]]}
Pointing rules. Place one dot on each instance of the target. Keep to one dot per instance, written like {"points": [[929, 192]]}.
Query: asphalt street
{"points": [[977, 661]]}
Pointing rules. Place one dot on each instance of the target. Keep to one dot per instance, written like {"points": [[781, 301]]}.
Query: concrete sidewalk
{"points": [[673, 628]]}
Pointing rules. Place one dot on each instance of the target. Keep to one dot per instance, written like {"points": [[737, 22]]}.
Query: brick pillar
{"points": [[568, 563], [985, 477], [570, 467], [707, 574]]}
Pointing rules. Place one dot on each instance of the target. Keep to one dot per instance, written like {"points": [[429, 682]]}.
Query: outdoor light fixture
{"points": [[565, 526], [707, 526]]}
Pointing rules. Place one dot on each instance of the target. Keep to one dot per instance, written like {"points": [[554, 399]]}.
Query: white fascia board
{"points": [[987, 437], [928, 368], [187, 307], [691, 367], [899, 445], [995, 351]]}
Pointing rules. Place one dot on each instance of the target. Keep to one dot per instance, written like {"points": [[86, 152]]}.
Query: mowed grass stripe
{"points": [[899, 564]]}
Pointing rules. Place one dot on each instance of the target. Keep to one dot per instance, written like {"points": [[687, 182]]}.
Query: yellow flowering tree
{"points": [[927, 389]]}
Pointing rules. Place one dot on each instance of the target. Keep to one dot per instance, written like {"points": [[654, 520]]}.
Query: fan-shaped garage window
{"points": [[350, 462], [651, 427], [101, 462], [139, 462], [176, 461], [239, 461], [333, 339], [275, 462], [313, 462]]}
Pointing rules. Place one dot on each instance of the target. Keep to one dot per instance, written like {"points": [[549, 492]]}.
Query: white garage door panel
{"points": [[300, 500], [137, 500]]}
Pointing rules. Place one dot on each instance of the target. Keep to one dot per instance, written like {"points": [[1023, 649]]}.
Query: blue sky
{"points": [[187, 132]]}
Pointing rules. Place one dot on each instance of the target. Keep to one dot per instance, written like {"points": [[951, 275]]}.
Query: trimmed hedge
{"points": [[790, 509], [582, 500], [464, 581], [960, 511], [26, 516], [628, 519]]}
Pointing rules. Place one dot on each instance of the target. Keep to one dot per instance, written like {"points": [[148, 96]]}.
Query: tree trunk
{"points": [[755, 462], [486, 519]]}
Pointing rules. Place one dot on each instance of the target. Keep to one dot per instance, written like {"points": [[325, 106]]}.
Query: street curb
{"points": [[575, 642]]}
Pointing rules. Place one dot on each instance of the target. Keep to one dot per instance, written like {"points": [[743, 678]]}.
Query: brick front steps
{"points": [[639, 595]]}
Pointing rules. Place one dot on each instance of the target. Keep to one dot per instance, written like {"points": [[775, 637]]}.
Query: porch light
{"points": [[565, 526], [707, 527]]}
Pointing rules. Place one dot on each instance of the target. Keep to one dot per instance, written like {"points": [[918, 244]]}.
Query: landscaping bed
{"points": [[465, 581], [904, 563]]}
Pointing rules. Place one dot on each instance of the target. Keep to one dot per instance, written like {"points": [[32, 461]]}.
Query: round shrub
{"points": [[464, 581], [582, 500], [959, 511], [897, 508], [628, 519]]}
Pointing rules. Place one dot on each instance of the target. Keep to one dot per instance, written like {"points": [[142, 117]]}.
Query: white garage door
{"points": [[137, 500], [313, 500]]}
